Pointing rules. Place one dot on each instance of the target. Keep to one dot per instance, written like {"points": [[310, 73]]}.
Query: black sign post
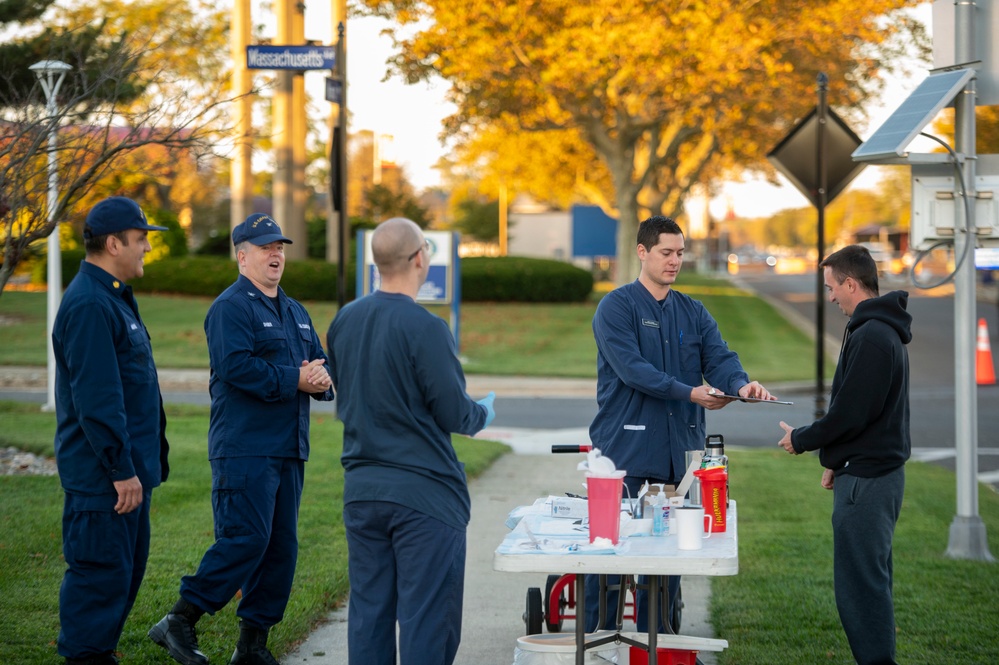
{"points": [[816, 157], [338, 164]]}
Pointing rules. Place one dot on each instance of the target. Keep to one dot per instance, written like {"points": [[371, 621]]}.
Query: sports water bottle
{"points": [[714, 455]]}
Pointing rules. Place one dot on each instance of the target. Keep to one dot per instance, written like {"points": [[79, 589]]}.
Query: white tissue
{"points": [[596, 464], [600, 543]]}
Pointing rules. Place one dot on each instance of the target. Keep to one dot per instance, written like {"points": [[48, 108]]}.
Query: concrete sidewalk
{"points": [[24, 377], [494, 601]]}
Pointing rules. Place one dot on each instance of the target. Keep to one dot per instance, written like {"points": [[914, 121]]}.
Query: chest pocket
{"points": [[305, 334], [135, 361], [270, 344]]}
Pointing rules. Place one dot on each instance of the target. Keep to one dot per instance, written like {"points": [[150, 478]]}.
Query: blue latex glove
{"points": [[487, 402]]}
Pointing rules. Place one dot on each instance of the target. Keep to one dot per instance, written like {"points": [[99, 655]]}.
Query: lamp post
{"points": [[50, 74]]}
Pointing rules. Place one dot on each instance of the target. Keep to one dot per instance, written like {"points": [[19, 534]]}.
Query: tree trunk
{"points": [[6, 270], [627, 237]]}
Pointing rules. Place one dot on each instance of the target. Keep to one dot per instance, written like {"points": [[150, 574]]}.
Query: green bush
{"points": [[510, 279], [70, 260], [190, 275], [521, 279], [211, 275]]}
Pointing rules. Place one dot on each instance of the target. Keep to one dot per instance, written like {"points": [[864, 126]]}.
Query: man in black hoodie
{"points": [[863, 443]]}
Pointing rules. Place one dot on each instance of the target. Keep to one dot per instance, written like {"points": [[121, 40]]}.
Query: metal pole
{"points": [[54, 286], [967, 538], [50, 75], [820, 205], [341, 59]]}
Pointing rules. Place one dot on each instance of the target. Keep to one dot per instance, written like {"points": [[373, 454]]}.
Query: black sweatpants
{"points": [[865, 511]]}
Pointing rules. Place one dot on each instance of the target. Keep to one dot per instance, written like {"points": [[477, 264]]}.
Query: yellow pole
{"points": [[502, 219], [241, 175]]}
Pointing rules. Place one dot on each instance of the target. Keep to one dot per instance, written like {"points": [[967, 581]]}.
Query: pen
{"points": [[681, 338]]}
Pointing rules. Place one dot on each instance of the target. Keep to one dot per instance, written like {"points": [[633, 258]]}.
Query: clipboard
{"points": [[750, 399]]}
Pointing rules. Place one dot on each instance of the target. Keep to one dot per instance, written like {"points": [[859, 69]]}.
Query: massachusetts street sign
{"points": [[290, 57]]}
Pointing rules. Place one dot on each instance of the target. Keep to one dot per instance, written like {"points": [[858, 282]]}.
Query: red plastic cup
{"points": [[603, 502], [714, 495]]}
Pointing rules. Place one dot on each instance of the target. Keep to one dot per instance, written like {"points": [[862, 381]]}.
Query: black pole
{"points": [[341, 170], [820, 204]]}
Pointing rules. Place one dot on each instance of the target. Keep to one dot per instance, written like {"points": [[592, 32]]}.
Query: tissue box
{"points": [[569, 507]]}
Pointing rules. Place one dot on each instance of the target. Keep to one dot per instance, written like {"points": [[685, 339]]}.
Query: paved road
{"points": [[534, 413], [931, 360]]}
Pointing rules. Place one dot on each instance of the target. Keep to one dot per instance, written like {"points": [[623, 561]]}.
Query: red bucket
{"points": [[639, 656], [603, 501], [714, 495]]}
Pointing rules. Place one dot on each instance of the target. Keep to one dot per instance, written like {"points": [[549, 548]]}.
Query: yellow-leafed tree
{"points": [[663, 91]]}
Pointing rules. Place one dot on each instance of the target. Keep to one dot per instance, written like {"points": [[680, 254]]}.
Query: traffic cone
{"points": [[984, 369]]}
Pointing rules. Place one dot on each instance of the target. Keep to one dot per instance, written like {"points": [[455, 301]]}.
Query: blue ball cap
{"points": [[259, 229], [115, 214]]}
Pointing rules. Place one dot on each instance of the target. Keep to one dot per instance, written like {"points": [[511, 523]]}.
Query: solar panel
{"points": [[919, 108]]}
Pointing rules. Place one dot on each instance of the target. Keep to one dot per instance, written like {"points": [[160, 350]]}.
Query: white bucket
{"points": [[557, 649]]}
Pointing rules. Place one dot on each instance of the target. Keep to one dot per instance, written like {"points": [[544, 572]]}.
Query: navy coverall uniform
{"points": [[110, 427], [258, 442], [650, 355]]}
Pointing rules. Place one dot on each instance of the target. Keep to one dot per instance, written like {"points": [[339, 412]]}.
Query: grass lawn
{"points": [[780, 608], [496, 338], [31, 547]]}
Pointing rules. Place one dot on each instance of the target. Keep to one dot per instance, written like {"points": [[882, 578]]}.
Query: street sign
{"points": [[795, 156], [334, 90], [290, 57]]}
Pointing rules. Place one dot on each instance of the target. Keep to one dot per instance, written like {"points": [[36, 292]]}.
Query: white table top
{"points": [[640, 555]]}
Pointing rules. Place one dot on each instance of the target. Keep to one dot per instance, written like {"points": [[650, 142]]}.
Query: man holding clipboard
{"points": [[659, 357]]}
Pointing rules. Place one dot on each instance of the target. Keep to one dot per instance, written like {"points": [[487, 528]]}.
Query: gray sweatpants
{"points": [[865, 511]]}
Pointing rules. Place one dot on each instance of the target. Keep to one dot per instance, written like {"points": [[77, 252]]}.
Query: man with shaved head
{"points": [[401, 393]]}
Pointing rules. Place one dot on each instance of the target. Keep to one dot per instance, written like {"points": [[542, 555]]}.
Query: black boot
{"points": [[175, 633], [251, 649]]}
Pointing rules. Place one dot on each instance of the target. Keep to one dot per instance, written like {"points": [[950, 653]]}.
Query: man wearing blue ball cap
{"points": [[266, 364], [110, 440]]}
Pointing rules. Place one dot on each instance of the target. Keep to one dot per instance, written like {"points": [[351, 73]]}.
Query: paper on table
{"points": [[558, 546]]}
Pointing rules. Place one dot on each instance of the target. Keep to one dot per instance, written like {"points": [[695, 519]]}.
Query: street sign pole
{"points": [[820, 204], [815, 157], [341, 170]]}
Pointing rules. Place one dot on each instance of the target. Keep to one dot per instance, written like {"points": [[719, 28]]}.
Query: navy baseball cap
{"points": [[115, 214], [259, 229]]}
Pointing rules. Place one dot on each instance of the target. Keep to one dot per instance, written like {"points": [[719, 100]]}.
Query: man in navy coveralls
{"points": [[110, 441], [266, 365]]}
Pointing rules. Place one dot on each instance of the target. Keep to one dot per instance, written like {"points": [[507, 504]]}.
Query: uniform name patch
{"points": [[650, 323], [268, 324], [304, 326]]}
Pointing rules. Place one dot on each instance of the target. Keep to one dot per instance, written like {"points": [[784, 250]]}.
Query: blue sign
{"points": [[334, 90], [443, 285], [593, 232], [290, 57]]}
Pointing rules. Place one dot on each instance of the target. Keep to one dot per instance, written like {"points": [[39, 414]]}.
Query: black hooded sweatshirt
{"points": [[866, 430]]}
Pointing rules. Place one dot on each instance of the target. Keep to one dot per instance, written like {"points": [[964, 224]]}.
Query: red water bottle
{"points": [[714, 495]]}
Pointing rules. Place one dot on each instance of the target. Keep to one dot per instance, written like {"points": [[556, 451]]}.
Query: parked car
{"points": [[882, 253]]}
